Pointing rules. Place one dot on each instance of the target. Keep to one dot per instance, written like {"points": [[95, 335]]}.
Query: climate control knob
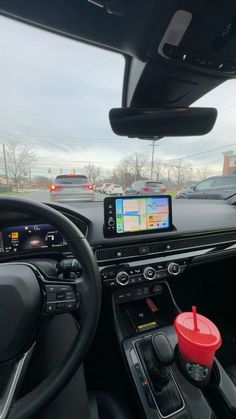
{"points": [[149, 273], [122, 278], [173, 268]]}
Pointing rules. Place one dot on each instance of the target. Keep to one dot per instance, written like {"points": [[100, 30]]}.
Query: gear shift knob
{"points": [[163, 350]]}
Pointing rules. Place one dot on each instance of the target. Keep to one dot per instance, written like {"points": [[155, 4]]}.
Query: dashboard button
{"points": [[122, 278], [111, 223], [143, 250], [173, 268], [157, 289], [149, 273], [162, 274], [109, 283]]}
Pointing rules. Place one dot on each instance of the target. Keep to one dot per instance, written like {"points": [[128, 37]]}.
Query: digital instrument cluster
{"points": [[30, 237]]}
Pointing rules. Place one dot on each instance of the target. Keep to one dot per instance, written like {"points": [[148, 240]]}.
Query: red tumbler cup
{"points": [[198, 339]]}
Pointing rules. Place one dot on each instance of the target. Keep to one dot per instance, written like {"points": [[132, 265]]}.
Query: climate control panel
{"points": [[123, 275]]}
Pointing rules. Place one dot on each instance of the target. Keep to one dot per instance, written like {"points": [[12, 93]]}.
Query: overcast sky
{"points": [[55, 94]]}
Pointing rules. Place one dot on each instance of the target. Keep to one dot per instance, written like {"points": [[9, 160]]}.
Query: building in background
{"points": [[229, 165]]}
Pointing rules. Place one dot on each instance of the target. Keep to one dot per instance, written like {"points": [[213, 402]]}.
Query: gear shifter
{"points": [[165, 358], [157, 356]]}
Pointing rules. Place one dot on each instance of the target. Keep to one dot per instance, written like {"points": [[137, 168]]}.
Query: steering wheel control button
{"points": [[174, 268], [149, 273], [69, 296], [70, 305], [60, 306], [51, 307], [64, 298], [60, 296], [122, 278], [51, 288], [51, 296]]}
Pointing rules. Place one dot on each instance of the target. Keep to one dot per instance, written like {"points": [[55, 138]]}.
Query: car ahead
{"points": [[104, 187], [71, 188], [97, 188], [215, 187], [115, 189], [146, 187]]}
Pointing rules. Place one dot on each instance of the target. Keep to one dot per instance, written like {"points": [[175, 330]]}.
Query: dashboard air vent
{"points": [[164, 246]]}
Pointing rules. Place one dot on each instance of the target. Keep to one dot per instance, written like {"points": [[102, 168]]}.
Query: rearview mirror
{"points": [[162, 122], [193, 187]]}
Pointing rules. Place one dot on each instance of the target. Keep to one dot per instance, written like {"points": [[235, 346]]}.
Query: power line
{"points": [[202, 152], [63, 137]]}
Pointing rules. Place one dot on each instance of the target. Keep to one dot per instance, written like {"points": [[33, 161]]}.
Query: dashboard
{"points": [[202, 227]]}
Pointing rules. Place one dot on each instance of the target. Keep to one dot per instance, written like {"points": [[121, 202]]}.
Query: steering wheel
{"points": [[28, 298]]}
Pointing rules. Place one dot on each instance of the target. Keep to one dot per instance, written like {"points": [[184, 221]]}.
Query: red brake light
{"points": [[146, 188], [88, 186], [55, 187]]}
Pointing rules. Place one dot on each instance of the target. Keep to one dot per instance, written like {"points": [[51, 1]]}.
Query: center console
{"points": [[140, 283], [149, 345]]}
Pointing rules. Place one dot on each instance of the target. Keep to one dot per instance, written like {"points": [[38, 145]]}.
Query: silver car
{"points": [[71, 188], [146, 187]]}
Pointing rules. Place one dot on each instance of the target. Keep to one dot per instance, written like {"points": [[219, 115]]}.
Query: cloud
{"points": [[55, 94]]}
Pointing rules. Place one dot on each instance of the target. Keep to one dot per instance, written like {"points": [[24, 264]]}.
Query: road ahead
{"points": [[42, 195]]}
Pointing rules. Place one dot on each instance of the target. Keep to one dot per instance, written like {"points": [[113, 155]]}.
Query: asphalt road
{"points": [[44, 195]]}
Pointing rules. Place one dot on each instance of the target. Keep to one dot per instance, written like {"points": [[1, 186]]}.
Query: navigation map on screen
{"points": [[139, 214]]}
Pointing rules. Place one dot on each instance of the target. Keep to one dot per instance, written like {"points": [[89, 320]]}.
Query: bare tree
{"points": [[158, 169], [181, 172], [140, 165], [18, 158], [130, 168], [123, 172], [93, 172], [203, 173]]}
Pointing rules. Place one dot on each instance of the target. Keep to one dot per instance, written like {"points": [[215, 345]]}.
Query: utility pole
{"points": [[5, 162], [153, 145]]}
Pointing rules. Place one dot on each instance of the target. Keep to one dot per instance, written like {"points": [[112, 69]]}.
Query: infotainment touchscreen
{"points": [[133, 215]]}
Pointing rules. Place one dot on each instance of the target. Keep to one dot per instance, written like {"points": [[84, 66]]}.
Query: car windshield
{"points": [[56, 94], [153, 184], [71, 180]]}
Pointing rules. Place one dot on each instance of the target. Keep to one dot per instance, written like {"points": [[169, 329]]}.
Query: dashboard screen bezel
{"points": [[110, 211]]}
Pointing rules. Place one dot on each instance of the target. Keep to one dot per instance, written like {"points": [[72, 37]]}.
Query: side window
{"points": [[224, 181], [205, 184]]}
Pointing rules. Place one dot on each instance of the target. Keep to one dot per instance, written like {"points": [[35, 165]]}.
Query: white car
{"points": [[104, 188], [115, 189]]}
